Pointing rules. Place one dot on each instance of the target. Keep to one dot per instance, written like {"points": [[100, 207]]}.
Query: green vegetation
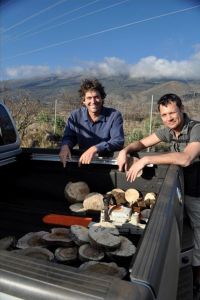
{"points": [[58, 124], [134, 136]]}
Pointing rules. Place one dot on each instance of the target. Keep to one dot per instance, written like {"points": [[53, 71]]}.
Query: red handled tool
{"points": [[66, 220]]}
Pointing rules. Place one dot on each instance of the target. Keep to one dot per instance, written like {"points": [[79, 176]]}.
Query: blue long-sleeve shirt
{"points": [[106, 133]]}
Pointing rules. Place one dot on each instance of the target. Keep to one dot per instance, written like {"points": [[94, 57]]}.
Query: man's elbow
{"points": [[119, 145]]}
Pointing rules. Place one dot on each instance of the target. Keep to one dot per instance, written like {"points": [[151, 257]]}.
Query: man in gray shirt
{"points": [[183, 134]]}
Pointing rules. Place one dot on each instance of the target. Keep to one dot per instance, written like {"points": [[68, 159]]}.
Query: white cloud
{"points": [[109, 66], [113, 66], [153, 67], [26, 71], [147, 67]]}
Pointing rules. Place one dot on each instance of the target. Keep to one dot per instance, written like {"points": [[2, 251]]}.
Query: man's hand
{"points": [[135, 170], [122, 160], [87, 156], [64, 154]]}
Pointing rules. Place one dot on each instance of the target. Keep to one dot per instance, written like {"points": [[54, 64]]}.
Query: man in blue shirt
{"points": [[94, 128]]}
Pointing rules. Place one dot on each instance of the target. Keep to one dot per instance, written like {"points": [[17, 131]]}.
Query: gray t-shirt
{"points": [[189, 133]]}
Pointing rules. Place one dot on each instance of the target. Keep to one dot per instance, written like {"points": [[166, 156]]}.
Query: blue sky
{"points": [[141, 38]]}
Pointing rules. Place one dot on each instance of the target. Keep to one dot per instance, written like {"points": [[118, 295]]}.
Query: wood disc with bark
{"points": [[7, 242], [93, 201], [36, 252], [150, 199], [79, 234], [59, 236], [32, 239], [76, 191], [67, 255], [132, 195], [77, 208], [119, 195], [87, 253], [104, 236], [104, 268], [126, 250]]}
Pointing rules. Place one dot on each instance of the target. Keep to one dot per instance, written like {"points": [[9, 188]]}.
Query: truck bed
{"points": [[33, 186]]}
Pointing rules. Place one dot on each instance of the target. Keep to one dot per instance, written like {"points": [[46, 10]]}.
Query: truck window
{"points": [[7, 131]]}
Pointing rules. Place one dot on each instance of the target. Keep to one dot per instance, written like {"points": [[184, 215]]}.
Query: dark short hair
{"points": [[167, 98], [91, 84]]}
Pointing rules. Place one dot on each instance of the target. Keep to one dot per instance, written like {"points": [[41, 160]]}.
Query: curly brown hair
{"points": [[91, 84]]}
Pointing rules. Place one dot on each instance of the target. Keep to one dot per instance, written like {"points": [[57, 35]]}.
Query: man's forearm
{"points": [[176, 158], [134, 147]]}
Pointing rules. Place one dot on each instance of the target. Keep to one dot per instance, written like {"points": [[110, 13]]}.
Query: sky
{"points": [[138, 38]]}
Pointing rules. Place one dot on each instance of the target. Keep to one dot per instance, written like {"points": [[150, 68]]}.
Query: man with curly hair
{"points": [[96, 129]]}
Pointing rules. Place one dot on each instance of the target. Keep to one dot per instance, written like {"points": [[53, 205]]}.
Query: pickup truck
{"points": [[32, 186]]}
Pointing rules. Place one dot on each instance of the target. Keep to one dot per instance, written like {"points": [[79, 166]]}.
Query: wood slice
{"points": [[6, 242], [32, 239], [119, 195], [87, 252], [105, 241], [150, 199], [67, 255], [126, 249], [131, 196], [93, 201], [133, 229], [104, 236], [120, 214], [104, 268], [76, 191], [79, 234], [77, 208], [36, 252], [59, 236], [104, 227]]}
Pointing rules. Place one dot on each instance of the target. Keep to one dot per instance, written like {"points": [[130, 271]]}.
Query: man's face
{"points": [[93, 102], [172, 116]]}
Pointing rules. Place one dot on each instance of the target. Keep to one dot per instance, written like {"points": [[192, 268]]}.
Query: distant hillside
{"points": [[33, 106], [123, 88]]}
